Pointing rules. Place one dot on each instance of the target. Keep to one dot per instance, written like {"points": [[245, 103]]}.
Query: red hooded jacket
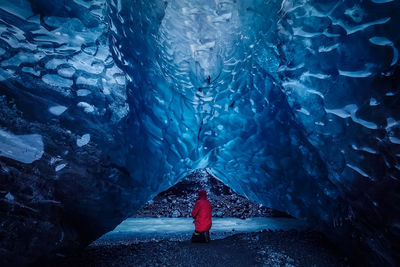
{"points": [[201, 213]]}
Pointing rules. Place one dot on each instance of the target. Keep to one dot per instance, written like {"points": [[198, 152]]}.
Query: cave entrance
{"points": [[179, 199], [168, 214]]}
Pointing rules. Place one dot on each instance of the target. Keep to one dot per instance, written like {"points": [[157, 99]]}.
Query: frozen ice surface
{"points": [[147, 228], [24, 148]]}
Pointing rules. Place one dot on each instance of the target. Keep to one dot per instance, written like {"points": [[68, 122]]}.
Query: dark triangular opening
{"points": [[178, 200]]}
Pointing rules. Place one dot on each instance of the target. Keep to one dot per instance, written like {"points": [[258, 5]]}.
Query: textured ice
{"points": [[22, 57], [88, 108], [381, 1], [9, 196], [60, 167], [82, 92], [356, 13], [24, 148], [83, 140], [86, 81], [55, 80], [357, 169], [54, 63], [299, 112], [373, 102], [350, 111], [66, 72], [17, 8], [355, 74], [366, 149], [57, 110], [87, 63], [351, 30], [31, 71], [394, 140], [383, 41]]}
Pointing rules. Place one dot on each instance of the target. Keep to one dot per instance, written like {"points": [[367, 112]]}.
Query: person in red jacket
{"points": [[201, 214]]}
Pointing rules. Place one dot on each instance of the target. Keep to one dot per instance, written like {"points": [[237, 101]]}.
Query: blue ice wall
{"points": [[291, 103], [237, 123]]}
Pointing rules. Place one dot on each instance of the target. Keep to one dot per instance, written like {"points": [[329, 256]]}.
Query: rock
{"points": [[176, 213]]}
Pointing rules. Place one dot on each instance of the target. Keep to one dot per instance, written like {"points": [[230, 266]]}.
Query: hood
{"points": [[202, 194]]}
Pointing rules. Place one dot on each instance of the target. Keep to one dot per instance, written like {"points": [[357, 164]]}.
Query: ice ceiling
{"points": [[291, 103]]}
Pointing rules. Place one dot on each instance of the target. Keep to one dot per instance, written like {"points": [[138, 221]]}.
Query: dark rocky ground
{"points": [[267, 248], [178, 201]]}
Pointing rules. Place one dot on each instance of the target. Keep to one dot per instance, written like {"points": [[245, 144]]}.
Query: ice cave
{"points": [[105, 103]]}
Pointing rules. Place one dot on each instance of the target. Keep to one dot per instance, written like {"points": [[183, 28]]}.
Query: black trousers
{"points": [[201, 237]]}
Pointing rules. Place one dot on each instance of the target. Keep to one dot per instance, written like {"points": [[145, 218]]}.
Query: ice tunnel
{"points": [[105, 103]]}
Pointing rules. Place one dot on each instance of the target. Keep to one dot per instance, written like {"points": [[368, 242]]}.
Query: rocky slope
{"points": [[178, 200]]}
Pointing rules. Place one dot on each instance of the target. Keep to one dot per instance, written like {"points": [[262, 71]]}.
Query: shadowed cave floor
{"points": [[266, 248]]}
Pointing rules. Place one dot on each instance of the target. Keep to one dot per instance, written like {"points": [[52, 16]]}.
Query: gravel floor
{"points": [[267, 248]]}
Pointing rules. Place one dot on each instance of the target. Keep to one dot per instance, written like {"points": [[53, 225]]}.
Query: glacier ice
{"points": [[88, 108], [83, 140], [56, 80], [291, 103], [24, 148], [60, 167], [57, 110]]}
